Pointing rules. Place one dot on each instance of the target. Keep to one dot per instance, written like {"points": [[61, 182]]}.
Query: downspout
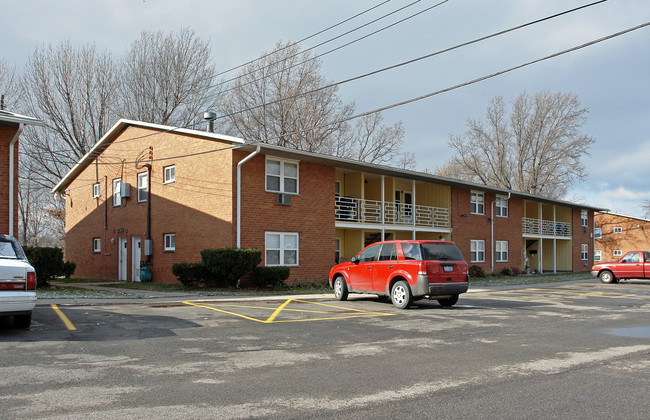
{"points": [[12, 169], [239, 165]]}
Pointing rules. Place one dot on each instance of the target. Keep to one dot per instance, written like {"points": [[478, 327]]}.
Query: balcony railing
{"points": [[350, 209], [546, 227]]}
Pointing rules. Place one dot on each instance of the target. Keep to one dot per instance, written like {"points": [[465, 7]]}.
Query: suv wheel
{"points": [[401, 295], [340, 288], [448, 302]]}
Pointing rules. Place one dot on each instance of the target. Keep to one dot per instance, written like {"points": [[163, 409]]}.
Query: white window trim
{"points": [[97, 245], [499, 249], [282, 248], [171, 248], [476, 249], [501, 206], [97, 190], [618, 229], [143, 188], [472, 196], [598, 233], [618, 252], [598, 255], [584, 252], [117, 197], [584, 218], [282, 175], [172, 179]]}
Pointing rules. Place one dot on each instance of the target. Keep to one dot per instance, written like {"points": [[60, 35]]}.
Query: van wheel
{"points": [[448, 302], [23, 321], [607, 277], [401, 295], [340, 288]]}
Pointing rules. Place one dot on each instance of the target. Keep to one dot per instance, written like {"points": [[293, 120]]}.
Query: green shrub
{"points": [[228, 265], [506, 271], [48, 263], [476, 271], [68, 269], [191, 274], [269, 276]]}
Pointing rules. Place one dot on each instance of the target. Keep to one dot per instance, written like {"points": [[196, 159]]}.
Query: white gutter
{"points": [[12, 145], [239, 165]]}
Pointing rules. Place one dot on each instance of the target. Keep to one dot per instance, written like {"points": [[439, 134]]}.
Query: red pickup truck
{"points": [[634, 265]]}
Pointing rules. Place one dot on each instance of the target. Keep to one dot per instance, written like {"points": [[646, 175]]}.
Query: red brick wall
{"points": [[6, 135], [197, 208], [581, 237], [635, 235], [467, 226], [311, 215]]}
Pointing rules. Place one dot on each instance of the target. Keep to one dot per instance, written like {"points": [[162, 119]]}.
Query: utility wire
{"points": [[464, 44], [306, 38], [415, 99], [330, 40]]}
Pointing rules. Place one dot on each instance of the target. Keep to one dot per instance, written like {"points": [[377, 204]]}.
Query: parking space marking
{"points": [[335, 312], [590, 293], [525, 299], [69, 325]]}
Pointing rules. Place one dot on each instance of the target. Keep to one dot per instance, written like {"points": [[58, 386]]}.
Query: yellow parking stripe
{"points": [[349, 312], [69, 325]]}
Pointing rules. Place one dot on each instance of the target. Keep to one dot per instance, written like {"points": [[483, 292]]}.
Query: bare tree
{"points": [[168, 79], [9, 86], [536, 149], [646, 209], [72, 91], [283, 99]]}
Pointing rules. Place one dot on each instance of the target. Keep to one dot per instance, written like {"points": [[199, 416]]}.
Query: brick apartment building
{"points": [[617, 234], [147, 191], [11, 127]]}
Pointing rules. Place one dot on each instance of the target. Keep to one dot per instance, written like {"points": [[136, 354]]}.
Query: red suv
{"points": [[405, 271]]}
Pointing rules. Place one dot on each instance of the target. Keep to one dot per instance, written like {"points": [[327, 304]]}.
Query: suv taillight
{"points": [[422, 268], [31, 280]]}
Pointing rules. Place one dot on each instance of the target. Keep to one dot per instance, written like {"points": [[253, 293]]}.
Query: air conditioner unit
{"points": [[284, 199], [125, 190]]}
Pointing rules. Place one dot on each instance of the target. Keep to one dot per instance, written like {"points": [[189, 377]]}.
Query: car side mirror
{"points": [[354, 260]]}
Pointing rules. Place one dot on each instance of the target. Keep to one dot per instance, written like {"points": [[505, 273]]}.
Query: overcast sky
{"points": [[612, 78]]}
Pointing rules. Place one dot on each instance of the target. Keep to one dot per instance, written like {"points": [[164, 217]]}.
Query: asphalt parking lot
{"points": [[513, 352]]}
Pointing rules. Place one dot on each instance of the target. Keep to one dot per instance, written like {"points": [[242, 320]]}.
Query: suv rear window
{"points": [[441, 252]]}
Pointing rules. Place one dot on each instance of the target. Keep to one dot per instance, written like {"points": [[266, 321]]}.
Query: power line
{"points": [[464, 44], [306, 38], [418, 98], [332, 39]]}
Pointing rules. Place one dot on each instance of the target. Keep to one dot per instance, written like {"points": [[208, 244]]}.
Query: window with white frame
{"points": [[337, 250], [169, 240], [117, 195], [169, 173], [618, 252], [584, 218], [97, 191], [281, 248], [477, 202], [598, 233], [143, 187], [598, 255], [97, 245], [501, 248], [477, 250], [618, 229], [584, 254], [501, 206], [281, 176]]}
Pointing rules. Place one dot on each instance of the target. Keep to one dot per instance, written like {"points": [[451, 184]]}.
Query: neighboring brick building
{"points": [[11, 127], [617, 234], [302, 209]]}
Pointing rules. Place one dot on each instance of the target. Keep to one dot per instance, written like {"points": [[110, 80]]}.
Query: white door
{"points": [[135, 258], [122, 256]]}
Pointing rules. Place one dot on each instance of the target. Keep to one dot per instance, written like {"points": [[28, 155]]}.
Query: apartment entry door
{"points": [[136, 255], [122, 252]]}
